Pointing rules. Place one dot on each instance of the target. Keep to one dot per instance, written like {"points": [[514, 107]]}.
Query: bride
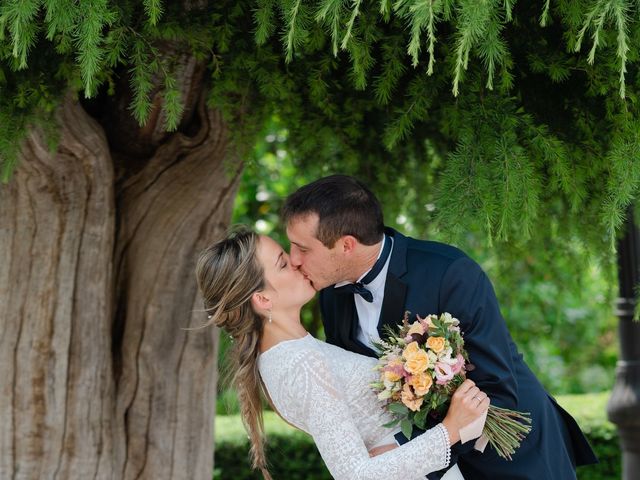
{"points": [[253, 293]]}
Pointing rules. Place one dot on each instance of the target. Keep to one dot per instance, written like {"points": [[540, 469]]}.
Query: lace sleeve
{"points": [[315, 402]]}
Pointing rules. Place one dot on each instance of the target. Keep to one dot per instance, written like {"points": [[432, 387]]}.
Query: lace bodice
{"points": [[324, 390]]}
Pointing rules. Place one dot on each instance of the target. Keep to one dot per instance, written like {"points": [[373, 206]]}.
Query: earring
{"points": [[270, 316]]}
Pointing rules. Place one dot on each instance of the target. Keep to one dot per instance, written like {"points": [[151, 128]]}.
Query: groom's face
{"points": [[319, 264]]}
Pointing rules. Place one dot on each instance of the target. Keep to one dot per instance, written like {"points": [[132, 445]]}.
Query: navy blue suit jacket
{"points": [[428, 277]]}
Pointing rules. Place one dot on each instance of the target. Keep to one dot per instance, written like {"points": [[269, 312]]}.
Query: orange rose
{"points": [[416, 327], [416, 359], [421, 383], [410, 400], [436, 344], [410, 349]]}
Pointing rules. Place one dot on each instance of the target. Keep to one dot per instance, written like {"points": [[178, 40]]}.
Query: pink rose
{"points": [[394, 371], [426, 322], [443, 373], [457, 367]]}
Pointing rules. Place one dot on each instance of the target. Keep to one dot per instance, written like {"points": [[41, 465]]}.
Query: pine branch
{"points": [[95, 16], [623, 182], [61, 17], [457, 195], [421, 15], [154, 10], [492, 50], [291, 15], [415, 108], [621, 16], [19, 16], [519, 189], [393, 68], [431, 33], [508, 10], [116, 44], [595, 19], [142, 69], [544, 16], [385, 9], [354, 14], [472, 21], [263, 17], [362, 61], [330, 13], [173, 107]]}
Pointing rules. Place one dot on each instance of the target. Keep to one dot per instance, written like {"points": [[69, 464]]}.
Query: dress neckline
{"points": [[308, 335]]}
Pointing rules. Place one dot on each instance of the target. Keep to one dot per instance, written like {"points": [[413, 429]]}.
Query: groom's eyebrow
{"points": [[279, 257]]}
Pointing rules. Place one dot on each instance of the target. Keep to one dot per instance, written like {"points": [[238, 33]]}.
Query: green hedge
{"points": [[293, 456]]}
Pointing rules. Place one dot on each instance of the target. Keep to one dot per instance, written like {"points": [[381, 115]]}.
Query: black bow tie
{"points": [[359, 287]]}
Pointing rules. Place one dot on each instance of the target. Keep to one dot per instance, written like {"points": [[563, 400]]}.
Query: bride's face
{"points": [[291, 287]]}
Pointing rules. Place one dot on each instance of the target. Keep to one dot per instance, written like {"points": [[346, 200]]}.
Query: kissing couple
{"points": [[368, 276]]}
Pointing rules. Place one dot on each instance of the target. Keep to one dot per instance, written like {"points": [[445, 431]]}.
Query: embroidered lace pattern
{"points": [[324, 390]]}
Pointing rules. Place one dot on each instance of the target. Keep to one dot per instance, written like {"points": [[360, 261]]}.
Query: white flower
{"points": [[384, 395], [388, 384], [433, 358], [445, 355]]}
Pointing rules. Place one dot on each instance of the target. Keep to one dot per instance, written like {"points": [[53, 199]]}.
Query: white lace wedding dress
{"points": [[324, 390]]}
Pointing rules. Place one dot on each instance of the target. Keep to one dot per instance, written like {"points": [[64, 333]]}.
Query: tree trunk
{"points": [[96, 285], [57, 215]]}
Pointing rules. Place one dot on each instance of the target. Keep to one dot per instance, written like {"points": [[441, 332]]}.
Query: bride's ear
{"points": [[261, 301]]}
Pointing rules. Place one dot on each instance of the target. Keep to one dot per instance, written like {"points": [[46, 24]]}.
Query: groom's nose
{"points": [[295, 258]]}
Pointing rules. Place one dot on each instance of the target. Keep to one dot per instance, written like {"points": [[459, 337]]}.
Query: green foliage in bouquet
{"points": [[421, 365]]}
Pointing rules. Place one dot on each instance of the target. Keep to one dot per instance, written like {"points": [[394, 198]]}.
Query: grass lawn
{"points": [[588, 409]]}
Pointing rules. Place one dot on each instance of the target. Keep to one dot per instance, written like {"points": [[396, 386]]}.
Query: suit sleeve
{"points": [[468, 295]]}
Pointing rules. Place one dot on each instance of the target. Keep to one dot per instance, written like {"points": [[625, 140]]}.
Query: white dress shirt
{"points": [[369, 313]]}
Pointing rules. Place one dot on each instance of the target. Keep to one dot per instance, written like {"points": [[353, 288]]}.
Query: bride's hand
{"points": [[467, 403], [382, 449]]}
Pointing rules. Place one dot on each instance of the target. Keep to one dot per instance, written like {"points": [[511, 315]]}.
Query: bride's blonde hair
{"points": [[228, 274]]}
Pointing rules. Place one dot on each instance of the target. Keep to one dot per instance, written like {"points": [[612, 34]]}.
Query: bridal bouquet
{"points": [[421, 365]]}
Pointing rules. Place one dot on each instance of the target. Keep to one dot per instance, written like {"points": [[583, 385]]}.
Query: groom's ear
{"points": [[348, 243]]}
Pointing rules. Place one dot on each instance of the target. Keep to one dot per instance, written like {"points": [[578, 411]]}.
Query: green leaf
{"points": [[420, 418], [398, 408], [392, 423], [407, 428]]}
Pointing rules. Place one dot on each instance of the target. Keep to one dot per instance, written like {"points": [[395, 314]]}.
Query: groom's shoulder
{"points": [[437, 259], [431, 249], [439, 249]]}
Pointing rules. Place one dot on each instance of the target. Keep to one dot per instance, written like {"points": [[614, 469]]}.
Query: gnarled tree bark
{"points": [[100, 380]]}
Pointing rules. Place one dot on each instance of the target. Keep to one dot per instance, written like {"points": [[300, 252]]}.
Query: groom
{"points": [[369, 275]]}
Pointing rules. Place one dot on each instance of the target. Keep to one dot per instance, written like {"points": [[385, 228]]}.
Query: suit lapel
{"points": [[344, 318], [395, 290], [347, 325], [392, 311]]}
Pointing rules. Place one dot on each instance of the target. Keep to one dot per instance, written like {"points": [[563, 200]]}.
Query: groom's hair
{"points": [[344, 205]]}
